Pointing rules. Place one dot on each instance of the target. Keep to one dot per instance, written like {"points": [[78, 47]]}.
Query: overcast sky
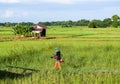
{"points": [[57, 10]]}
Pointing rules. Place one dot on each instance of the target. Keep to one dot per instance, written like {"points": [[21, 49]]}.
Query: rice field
{"points": [[91, 57]]}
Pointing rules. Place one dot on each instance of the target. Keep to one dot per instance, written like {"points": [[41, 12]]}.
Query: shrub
{"points": [[22, 30], [91, 25]]}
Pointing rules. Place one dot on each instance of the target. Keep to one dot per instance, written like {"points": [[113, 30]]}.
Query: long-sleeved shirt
{"points": [[58, 55]]}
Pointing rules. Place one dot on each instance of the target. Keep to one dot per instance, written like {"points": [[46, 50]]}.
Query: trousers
{"points": [[57, 64]]}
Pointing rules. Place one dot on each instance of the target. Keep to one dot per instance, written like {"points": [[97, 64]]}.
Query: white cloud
{"points": [[24, 14], [12, 13], [55, 1], [8, 14], [67, 1], [60, 1], [9, 1], [48, 1]]}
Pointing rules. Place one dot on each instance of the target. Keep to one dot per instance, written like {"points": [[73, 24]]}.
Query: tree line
{"points": [[114, 21]]}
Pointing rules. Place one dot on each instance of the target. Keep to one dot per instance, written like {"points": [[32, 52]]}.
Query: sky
{"points": [[57, 10]]}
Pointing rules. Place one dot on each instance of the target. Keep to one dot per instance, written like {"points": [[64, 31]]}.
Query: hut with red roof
{"points": [[39, 29]]}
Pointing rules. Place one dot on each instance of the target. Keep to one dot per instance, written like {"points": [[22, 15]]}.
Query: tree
{"points": [[45, 23], [7, 24], [115, 22], [82, 22], [2, 24], [107, 22], [26, 23], [91, 25], [119, 23], [67, 23], [98, 23], [95, 23], [22, 30]]}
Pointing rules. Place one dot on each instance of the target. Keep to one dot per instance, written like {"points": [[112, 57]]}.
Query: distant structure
{"points": [[39, 30]]}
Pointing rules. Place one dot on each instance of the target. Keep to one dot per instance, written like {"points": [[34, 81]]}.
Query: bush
{"points": [[22, 30], [91, 25], [115, 24]]}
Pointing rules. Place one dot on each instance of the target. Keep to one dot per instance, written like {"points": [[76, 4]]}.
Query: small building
{"points": [[40, 30]]}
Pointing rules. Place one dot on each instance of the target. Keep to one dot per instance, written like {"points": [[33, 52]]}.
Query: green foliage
{"points": [[22, 30], [7, 24], [115, 19], [67, 24], [91, 25], [107, 22], [26, 23], [115, 24], [82, 22], [100, 24]]}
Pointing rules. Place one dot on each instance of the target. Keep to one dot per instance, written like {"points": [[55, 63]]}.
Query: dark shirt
{"points": [[58, 55]]}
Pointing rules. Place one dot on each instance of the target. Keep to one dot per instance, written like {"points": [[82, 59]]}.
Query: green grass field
{"points": [[91, 56]]}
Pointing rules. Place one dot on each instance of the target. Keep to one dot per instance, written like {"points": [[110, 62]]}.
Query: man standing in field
{"points": [[58, 59]]}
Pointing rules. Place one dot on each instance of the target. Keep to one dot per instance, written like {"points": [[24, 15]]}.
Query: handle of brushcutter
{"points": [[54, 56]]}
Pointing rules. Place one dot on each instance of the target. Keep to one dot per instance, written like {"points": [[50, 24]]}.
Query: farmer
{"points": [[58, 59]]}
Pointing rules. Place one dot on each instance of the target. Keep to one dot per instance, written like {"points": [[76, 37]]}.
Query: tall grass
{"points": [[86, 63], [91, 57]]}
